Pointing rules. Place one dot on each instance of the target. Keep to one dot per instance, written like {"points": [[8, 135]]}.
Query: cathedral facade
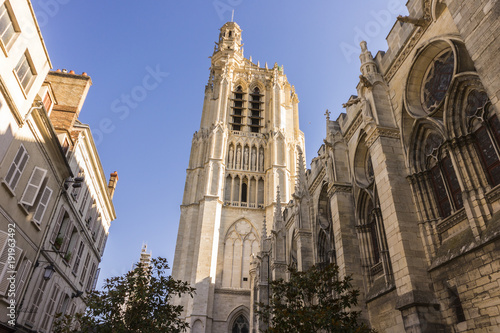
{"points": [[404, 195]]}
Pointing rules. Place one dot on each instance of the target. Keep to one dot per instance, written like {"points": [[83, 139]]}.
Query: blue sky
{"points": [[149, 63]]}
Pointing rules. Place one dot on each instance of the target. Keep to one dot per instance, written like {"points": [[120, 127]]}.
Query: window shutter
{"points": [[21, 276], [49, 308], [4, 283], [33, 186], [84, 200], [17, 167], [57, 227], [42, 205], [78, 258], [67, 237], [4, 254], [36, 301], [84, 269], [91, 277], [96, 277]]}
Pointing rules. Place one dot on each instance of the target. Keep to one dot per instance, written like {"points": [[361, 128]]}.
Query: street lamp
{"points": [[49, 271]]}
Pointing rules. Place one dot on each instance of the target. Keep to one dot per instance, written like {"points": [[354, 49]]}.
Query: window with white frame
{"points": [[25, 71], [8, 26], [17, 167]]}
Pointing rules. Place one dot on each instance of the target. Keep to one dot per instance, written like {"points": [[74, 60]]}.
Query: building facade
{"points": [[404, 195], [247, 146], [55, 203]]}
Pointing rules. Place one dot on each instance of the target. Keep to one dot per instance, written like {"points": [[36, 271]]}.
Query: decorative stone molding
{"points": [[380, 131], [451, 221], [279, 267], [232, 291], [317, 181], [493, 195], [339, 188], [353, 127]]}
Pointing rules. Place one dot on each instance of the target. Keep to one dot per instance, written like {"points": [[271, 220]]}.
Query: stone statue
{"points": [[238, 158], [246, 158], [254, 160], [231, 155]]}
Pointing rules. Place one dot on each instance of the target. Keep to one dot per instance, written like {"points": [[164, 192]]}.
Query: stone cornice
{"points": [[384, 132], [232, 291], [317, 180], [353, 126], [452, 220], [339, 188]]}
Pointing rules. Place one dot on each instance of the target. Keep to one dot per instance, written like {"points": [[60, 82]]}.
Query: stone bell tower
{"points": [[247, 145]]}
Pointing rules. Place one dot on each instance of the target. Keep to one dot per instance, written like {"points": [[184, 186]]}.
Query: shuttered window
{"points": [[78, 258], [22, 275], [4, 254], [4, 265], [37, 300], [42, 205], [57, 226], [84, 269], [49, 309], [17, 167], [33, 186]]}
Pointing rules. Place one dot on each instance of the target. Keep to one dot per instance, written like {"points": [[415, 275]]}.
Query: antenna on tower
{"points": [[232, 16]]}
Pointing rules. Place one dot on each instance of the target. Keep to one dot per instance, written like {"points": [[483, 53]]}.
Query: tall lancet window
{"points": [[325, 241], [237, 115], [255, 111], [240, 242], [485, 126]]}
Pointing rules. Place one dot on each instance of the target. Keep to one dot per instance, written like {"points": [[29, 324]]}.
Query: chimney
{"points": [[113, 179]]}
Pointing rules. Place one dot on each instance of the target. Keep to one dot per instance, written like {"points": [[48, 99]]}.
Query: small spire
{"points": [[264, 232], [267, 66], [300, 184], [232, 16], [327, 114], [277, 212], [368, 65]]}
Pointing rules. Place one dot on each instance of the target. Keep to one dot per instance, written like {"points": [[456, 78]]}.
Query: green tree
{"points": [[136, 302], [312, 301]]}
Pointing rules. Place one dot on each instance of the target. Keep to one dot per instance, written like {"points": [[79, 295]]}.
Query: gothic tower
{"points": [[247, 146]]}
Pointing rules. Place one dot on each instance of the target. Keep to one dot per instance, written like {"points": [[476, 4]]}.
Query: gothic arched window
{"points": [[240, 242], [237, 115], [485, 127], [255, 110], [446, 188], [240, 325], [325, 243]]}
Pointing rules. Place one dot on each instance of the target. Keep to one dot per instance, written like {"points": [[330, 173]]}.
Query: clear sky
{"points": [[149, 63]]}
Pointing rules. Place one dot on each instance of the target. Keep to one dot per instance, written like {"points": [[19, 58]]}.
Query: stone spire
{"points": [[264, 234], [368, 65], [301, 183], [278, 217]]}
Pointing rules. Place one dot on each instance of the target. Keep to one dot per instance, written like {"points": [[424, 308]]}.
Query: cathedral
{"points": [[404, 195]]}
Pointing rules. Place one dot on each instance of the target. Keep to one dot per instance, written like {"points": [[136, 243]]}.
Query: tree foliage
{"points": [[312, 301], [136, 302]]}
